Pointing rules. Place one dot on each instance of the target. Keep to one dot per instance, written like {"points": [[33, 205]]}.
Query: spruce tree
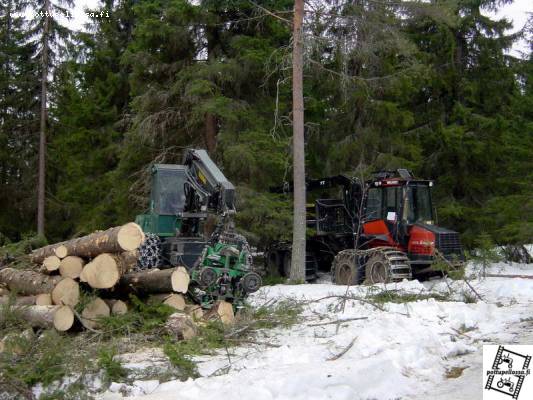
{"points": [[17, 122], [49, 42]]}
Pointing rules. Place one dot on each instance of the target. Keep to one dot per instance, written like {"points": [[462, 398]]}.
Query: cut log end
{"points": [[130, 236], [66, 292], [222, 311], [43, 299], [102, 272], [180, 280], [63, 318], [94, 310], [175, 301], [71, 267], [117, 307], [181, 326], [51, 263], [61, 251], [195, 311]]}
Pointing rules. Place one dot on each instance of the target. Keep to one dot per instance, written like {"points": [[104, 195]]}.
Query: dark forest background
{"points": [[427, 86]]}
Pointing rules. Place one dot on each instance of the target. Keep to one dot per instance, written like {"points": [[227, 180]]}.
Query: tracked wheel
{"points": [[345, 268], [387, 265]]}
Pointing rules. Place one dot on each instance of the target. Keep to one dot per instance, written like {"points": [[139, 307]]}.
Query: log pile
{"points": [[101, 267]]}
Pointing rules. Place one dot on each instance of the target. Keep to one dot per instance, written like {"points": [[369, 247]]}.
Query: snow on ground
{"points": [[401, 352]]}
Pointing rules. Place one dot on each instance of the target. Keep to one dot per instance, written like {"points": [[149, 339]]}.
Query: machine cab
{"points": [[399, 213], [394, 204], [396, 201], [168, 189], [167, 200]]}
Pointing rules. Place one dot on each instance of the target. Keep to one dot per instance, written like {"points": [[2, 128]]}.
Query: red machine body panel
{"points": [[421, 241], [380, 229]]}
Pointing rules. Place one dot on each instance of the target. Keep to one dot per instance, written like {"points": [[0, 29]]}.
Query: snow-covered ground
{"points": [[405, 351]]}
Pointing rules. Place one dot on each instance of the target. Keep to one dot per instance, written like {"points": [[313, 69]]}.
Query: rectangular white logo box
{"points": [[507, 373]]}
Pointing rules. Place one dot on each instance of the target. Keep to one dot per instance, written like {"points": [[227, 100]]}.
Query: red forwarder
{"points": [[381, 230]]}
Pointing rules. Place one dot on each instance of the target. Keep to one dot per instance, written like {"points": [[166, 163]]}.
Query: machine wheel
{"points": [[251, 282], [150, 252], [345, 268], [386, 265], [377, 270]]}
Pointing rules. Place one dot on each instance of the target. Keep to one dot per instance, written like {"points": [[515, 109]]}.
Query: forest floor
{"points": [[407, 340]]}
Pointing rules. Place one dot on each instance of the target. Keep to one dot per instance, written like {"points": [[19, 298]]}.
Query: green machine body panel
{"points": [[160, 225]]}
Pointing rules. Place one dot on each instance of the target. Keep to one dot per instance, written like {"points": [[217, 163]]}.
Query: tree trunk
{"points": [[44, 299], [211, 131], [154, 281], [297, 271], [58, 317], [19, 301], [212, 34], [114, 240], [42, 132], [28, 282], [39, 255], [105, 270]]}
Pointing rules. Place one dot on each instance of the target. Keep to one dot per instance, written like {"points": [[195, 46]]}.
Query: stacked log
{"points": [[114, 240], [93, 311], [58, 317], [155, 281], [117, 307], [28, 282], [103, 265], [71, 267]]}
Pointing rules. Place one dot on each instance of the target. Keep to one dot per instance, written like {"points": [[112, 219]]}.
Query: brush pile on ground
{"points": [[72, 284]]}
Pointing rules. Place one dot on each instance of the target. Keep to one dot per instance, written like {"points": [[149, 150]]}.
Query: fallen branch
{"points": [[339, 321], [439, 254], [509, 276], [344, 351], [254, 342], [362, 300]]}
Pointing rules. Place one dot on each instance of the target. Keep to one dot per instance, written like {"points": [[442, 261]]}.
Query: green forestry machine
{"points": [[184, 201]]}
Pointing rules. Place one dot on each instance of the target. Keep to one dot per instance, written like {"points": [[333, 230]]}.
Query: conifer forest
{"points": [[428, 86]]}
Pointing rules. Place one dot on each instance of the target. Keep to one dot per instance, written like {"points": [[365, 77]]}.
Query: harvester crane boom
{"points": [[207, 189]]}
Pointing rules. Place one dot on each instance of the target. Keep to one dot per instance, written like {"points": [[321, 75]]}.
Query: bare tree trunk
{"points": [[211, 131], [42, 133], [210, 120], [297, 271]]}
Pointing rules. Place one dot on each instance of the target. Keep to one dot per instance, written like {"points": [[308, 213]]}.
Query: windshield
{"points": [[171, 193], [383, 201], [418, 204]]}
